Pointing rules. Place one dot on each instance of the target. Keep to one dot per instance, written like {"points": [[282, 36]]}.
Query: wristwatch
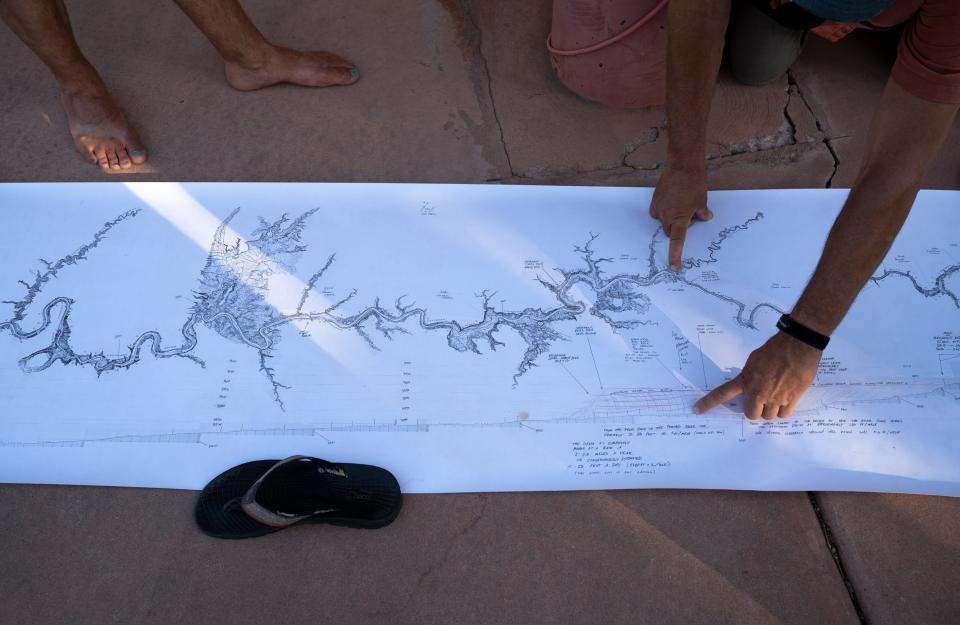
{"points": [[802, 333]]}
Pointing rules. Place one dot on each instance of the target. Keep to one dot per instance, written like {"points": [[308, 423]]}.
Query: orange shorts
{"points": [[928, 58]]}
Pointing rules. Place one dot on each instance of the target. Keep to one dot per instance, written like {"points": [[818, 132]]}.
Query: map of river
{"points": [[465, 337]]}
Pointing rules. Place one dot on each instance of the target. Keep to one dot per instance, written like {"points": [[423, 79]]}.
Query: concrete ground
{"points": [[460, 91]]}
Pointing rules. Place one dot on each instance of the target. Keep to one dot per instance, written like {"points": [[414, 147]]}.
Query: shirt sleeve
{"points": [[928, 58]]}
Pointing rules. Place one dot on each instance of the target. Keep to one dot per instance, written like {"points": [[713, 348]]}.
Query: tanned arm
{"points": [[694, 48], [904, 135]]}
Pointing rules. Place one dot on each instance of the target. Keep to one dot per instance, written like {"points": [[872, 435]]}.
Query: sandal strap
{"points": [[275, 518]]}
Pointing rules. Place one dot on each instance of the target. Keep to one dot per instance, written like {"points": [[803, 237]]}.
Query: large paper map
{"points": [[468, 338]]}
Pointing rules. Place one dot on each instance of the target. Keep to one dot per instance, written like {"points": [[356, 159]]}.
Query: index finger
{"points": [[678, 232], [724, 392]]}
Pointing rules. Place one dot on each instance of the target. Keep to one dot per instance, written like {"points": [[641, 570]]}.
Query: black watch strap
{"points": [[802, 333]]}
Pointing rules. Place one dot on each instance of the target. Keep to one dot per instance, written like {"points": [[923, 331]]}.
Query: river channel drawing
{"points": [[231, 300]]}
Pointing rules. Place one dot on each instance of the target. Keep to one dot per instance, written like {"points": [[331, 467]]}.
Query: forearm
{"points": [[694, 48], [858, 242], [904, 135]]}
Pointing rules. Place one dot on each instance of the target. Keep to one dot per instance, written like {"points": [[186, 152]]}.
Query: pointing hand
{"points": [[679, 199], [773, 380]]}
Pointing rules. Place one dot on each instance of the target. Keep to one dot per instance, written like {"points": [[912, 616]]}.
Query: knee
{"points": [[755, 70], [760, 49]]}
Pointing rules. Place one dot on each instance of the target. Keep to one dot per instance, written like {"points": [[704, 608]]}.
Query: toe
{"points": [[101, 154], [112, 157], [124, 157], [138, 153], [350, 75], [85, 148], [340, 70], [332, 74], [326, 68]]}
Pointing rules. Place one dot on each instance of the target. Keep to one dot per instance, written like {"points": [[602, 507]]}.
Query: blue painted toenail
{"points": [[354, 71], [136, 153]]}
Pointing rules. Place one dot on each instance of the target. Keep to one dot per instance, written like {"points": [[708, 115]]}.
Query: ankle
{"points": [[80, 81], [253, 58]]}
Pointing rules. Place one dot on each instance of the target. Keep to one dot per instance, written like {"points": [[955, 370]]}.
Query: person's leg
{"points": [[99, 130], [251, 62], [760, 49]]}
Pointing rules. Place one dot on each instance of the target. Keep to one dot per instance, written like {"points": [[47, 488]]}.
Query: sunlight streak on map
{"points": [[171, 201]]}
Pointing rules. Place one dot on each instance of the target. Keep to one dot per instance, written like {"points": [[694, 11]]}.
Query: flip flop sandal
{"points": [[265, 496]]}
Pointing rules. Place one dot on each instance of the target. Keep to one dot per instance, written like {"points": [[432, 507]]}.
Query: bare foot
{"points": [[308, 69], [99, 130]]}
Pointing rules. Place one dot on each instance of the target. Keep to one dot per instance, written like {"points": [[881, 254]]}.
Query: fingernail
{"points": [[696, 410], [353, 72], [674, 267], [709, 214]]}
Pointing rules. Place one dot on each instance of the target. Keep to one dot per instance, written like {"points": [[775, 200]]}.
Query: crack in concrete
{"points": [[825, 136], [787, 135], [772, 156], [486, 71], [791, 125], [837, 559], [803, 98], [784, 138], [836, 163], [652, 136], [776, 156], [758, 144], [446, 554]]}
